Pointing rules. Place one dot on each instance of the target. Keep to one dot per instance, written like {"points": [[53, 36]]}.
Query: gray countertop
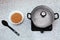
{"points": [[26, 6]]}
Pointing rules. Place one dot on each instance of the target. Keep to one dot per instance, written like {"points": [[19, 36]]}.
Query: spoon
{"points": [[5, 23]]}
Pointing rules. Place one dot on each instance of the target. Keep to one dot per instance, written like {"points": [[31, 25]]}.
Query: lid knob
{"points": [[43, 14]]}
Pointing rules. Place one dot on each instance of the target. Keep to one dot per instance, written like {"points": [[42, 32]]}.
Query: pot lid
{"points": [[42, 16]]}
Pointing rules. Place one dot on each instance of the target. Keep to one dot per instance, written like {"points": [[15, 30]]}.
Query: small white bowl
{"points": [[14, 13]]}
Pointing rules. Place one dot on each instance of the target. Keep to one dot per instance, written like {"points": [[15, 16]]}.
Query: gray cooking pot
{"points": [[42, 16]]}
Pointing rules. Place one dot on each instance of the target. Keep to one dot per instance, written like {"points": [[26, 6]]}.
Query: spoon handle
{"points": [[14, 30]]}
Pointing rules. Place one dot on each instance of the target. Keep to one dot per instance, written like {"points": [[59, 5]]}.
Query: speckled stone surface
{"points": [[25, 6]]}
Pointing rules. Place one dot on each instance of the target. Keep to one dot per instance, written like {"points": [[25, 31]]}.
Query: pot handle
{"points": [[28, 16], [57, 16]]}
